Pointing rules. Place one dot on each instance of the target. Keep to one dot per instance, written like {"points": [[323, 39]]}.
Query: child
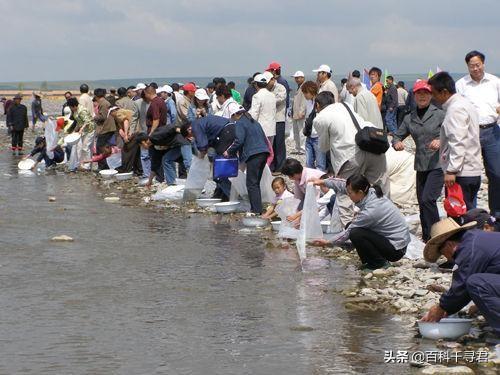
{"points": [[41, 148], [279, 188]]}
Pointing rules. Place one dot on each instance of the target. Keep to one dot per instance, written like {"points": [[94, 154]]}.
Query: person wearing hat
{"points": [[36, 109], [298, 112], [476, 274], [279, 145], [199, 107], [165, 93], [483, 219], [424, 125], [17, 121], [139, 88], [123, 101], [365, 103], [41, 149], [251, 145], [459, 145], [263, 108], [275, 68], [324, 75], [183, 102]]}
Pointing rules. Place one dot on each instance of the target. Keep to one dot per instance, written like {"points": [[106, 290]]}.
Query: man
{"points": [[211, 93], [275, 68], [298, 112], [460, 150], [357, 74], [263, 108], [7, 103], [123, 101], [345, 95], [392, 105], [85, 100], [236, 95], [476, 275], [131, 92], [67, 95], [337, 132], [139, 125], [183, 102], [36, 108], [165, 92], [17, 121], [279, 146], [156, 116], [377, 89], [365, 103], [86, 127], [402, 97], [324, 75], [224, 97], [111, 98], [139, 88], [483, 90], [105, 124], [249, 92]]}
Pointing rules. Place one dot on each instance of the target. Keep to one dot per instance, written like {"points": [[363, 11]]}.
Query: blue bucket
{"points": [[225, 168]]}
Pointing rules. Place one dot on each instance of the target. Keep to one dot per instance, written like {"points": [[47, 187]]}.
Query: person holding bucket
{"points": [[251, 145]]}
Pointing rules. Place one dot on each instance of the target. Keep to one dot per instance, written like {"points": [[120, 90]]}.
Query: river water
{"points": [[149, 291]]}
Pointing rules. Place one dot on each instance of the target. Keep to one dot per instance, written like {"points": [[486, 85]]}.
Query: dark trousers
{"points": [[373, 249], [255, 168], [279, 148], [429, 187], [131, 158], [401, 114], [484, 290], [470, 187], [490, 147], [17, 139]]}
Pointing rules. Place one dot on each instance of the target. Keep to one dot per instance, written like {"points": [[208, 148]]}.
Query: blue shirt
{"points": [[171, 111], [249, 140], [206, 129], [285, 83]]}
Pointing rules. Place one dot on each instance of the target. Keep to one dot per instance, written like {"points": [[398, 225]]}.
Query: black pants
{"points": [[429, 187], [373, 249], [401, 114], [17, 139], [255, 168], [470, 187], [279, 148], [131, 158]]}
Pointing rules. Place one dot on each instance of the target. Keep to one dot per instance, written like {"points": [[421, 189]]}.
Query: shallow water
{"points": [[145, 291]]}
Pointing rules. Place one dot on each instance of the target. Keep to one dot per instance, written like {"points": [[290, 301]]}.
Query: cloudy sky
{"points": [[92, 39]]}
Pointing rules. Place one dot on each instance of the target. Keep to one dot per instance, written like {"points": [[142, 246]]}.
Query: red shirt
{"points": [[157, 111]]}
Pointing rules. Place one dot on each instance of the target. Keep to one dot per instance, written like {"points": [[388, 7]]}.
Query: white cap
{"points": [[233, 108], [269, 76], [168, 89], [298, 73], [261, 78], [201, 94], [140, 86], [112, 109], [323, 68]]}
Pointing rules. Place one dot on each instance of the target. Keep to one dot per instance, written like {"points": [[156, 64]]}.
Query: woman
{"points": [[199, 108], [424, 125], [252, 147], [379, 231], [131, 160], [315, 158]]}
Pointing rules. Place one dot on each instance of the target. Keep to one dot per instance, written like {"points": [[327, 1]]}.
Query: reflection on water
{"points": [[144, 291]]}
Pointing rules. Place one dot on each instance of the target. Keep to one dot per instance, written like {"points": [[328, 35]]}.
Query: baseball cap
{"points": [[201, 94], [269, 76], [165, 88], [323, 68], [189, 87], [298, 73], [421, 84], [260, 78], [140, 86], [234, 108], [274, 66]]}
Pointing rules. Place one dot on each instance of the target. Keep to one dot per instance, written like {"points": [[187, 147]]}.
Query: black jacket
{"points": [[308, 125], [17, 117], [168, 136]]}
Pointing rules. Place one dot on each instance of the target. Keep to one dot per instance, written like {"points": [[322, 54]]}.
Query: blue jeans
{"points": [[390, 120], [315, 158], [171, 156], [145, 162], [490, 147]]}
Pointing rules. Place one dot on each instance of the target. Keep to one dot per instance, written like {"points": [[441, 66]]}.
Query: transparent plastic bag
{"points": [[266, 189], [197, 177], [239, 186], [301, 245], [114, 160], [415, 249], [50, 137], [286, 208], [309, 222], [73, 159], [335, 222], [174, 192]]}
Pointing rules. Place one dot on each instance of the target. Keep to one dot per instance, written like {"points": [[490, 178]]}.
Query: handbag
{"points": [[370, 138], [454, 203], [225, 168]]}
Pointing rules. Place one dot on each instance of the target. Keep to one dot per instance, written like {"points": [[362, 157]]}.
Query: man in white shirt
{"points": [[402, 96], [483, 90], [365, 104], [279, 146], [324, 75], [298, 112], [263, 108], [459, 147], [85, 100]]}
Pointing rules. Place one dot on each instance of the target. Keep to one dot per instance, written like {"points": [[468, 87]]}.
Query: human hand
{"points": [[399, 146], [449, 180], [322, 242], [225, 154], [316, 181], [435, 314], [434, 145]]}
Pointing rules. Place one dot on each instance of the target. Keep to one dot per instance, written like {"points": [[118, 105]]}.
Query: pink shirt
{"points": [[299, 191]]}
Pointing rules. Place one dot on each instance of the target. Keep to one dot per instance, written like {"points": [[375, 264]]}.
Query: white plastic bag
{"points": [[73, 159], [415, 249], [50, 137], [266, 189], [114, 160], [239, 186], [309, 222], [301, 245], [335, 223], [174, 192], [197, 177], [286, 208]]}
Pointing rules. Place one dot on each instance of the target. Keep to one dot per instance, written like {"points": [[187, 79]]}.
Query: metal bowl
{"points": [[446, 328], [207, 202], [254, 221], [108, 173], [124, 176], [227, 207]]}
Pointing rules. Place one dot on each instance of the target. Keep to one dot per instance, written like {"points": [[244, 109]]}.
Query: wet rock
{"points": [[444, 370], [301, 329], [382, 272], [111, 199], [362, 299], [421, 292], [368, 276], [62, 238], [52, 199], [422, 264]]}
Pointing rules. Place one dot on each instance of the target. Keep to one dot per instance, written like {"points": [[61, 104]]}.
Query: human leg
{"points": [[484, 290], [429, 187], [470, 187], [490, 147], [255, 168]]}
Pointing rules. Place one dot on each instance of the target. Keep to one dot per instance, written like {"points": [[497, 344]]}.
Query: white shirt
{"points": [[263, 110], [485, 95], [86, 101], [225, 107]]}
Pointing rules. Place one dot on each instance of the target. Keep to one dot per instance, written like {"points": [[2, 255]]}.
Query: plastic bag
{"points": [[286, 208], [114, 160], [301, 246], [309, 222], [335, 223], [50, 137], [197, 177], [266, 189], [415, 249], [174, 192], [454, 203], [73, 159], [239, 186]]}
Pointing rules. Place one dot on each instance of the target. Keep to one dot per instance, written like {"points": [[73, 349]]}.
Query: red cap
{"points": [[274, 66], [189, 87], [421, 84]]}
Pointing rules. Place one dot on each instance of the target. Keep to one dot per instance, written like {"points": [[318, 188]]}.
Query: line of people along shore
{"points": [[455, 126]]}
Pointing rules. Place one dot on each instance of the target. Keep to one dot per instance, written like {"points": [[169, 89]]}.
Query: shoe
{"points": [[365, 267]]}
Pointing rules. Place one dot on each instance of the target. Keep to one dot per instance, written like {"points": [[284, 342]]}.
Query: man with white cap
{"points": [[324, 75], [298, 112], [165, 93], [476, 275], [279, 146], [139, 88], [263, 109]]}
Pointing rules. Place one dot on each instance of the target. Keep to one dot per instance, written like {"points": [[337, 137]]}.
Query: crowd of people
{"points": [[344, 133]]}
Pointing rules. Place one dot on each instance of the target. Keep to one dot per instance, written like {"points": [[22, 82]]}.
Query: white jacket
{"points": [[263, 110], [279, 92]]}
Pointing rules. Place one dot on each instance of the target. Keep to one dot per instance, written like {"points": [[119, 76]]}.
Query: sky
{"points": [[91, 39]]}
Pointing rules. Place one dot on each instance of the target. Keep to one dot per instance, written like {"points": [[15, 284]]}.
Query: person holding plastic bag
{"points": [[85, 125], [41, 149], [379, 231], [251, 146]]}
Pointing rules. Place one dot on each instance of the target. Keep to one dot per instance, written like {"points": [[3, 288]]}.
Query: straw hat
{"points": [[440, 232]]}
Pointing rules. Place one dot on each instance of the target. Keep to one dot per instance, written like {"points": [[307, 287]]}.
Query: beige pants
{"points": [[298, 136], [84, 151]]}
